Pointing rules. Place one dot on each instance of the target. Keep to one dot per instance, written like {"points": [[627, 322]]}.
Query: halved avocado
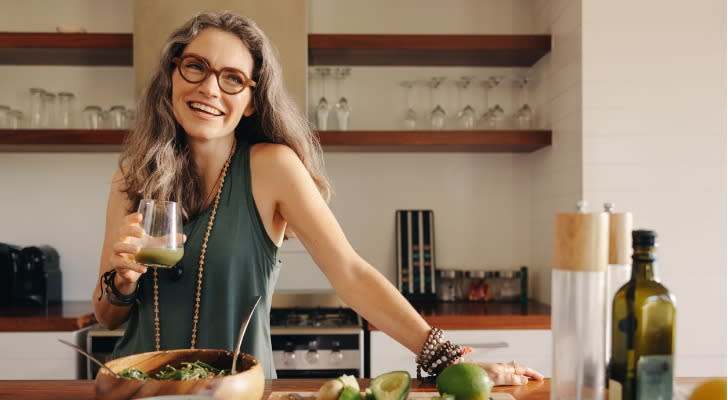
{"points": [[349, 393], [391, 386]]}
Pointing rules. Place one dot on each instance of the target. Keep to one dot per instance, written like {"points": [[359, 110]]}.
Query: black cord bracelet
{"points": [[116, 298]]}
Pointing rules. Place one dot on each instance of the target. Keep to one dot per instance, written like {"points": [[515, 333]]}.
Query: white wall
{"points": [[654, 142]]}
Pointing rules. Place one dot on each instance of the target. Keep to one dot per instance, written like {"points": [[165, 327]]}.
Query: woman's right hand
{"points": [[128, 271]]}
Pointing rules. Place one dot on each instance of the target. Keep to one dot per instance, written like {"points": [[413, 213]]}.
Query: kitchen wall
{"points": [[654, 142]]}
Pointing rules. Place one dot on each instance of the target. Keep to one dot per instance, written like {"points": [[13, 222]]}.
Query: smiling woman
{"points": [[219, 135]]}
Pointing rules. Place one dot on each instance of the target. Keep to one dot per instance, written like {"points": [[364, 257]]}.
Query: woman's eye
{"points": [[234, 79], [195, 66]]}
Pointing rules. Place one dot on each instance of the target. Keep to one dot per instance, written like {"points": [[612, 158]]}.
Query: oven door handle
{"points": [[489, 345]]}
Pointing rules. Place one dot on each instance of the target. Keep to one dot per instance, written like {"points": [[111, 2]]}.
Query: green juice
{"points": [[159, 257]]}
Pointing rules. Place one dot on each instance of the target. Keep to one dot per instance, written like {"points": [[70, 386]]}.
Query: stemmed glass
{"points": [[492, 115], [342, 106], [524, 114], [466, 115], [163, 242], [410, 115], [438, 116], [322, 107]]}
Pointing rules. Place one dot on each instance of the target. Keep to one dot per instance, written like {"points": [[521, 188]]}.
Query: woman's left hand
{"points": [[512, 373]]}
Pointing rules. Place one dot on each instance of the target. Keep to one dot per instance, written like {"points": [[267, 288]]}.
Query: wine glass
{"points": [[342, 106], [524, 114], [410, 115], [466, 115], [162, 244], [438, 116], [322, 108]]}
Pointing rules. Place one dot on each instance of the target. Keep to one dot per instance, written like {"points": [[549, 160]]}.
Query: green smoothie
{"points": [[159, 257]]}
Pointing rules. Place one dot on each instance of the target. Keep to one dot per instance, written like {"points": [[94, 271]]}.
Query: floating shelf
{"points": [[513, 141], [36, 48], [428, 50]]}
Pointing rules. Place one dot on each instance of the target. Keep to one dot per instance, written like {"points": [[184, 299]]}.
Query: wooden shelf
{"points": [[499, 141], [428, 50], [40, 48]]}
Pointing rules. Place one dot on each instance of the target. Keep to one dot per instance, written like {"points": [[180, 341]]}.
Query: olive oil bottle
{"points": [[643, 330]]}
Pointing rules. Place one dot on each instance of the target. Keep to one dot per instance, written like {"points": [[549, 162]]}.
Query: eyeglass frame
{"points": [[178, 62]]}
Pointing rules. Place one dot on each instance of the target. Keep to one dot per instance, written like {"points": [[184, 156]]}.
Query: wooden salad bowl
{"points": [[246, 384]]}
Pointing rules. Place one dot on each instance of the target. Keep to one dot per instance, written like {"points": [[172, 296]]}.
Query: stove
{"points": [[315, 335]]}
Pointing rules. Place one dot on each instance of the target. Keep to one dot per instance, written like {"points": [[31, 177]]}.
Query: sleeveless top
{"points": [[241, 263]]}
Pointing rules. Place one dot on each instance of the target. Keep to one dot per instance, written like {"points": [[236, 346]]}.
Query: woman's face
{"points": [[202, 109]]}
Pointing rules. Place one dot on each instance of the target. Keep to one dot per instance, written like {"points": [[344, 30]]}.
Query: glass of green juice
{"points": [[163, 242]]}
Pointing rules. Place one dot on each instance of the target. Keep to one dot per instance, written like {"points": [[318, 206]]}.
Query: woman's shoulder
{"points": [[273, 154]]}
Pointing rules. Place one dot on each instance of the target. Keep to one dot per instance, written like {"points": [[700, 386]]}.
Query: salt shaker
{"points": [[578, 304]]}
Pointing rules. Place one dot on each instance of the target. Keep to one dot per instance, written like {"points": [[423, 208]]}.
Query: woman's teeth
{"points": [[204, 108]]}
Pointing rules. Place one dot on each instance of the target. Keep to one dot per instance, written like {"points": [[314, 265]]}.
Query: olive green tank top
{"points": [[241, 263]]}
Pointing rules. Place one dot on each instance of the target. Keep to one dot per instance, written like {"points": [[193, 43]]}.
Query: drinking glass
{"points": [[322, 108], [524, 114], [438, 116], [65, 109], [36, 107], [410, 115], [92, 117], [342, 106], [162, 244], [48, 119], [4, 116], [117, 117], [466, 115]]}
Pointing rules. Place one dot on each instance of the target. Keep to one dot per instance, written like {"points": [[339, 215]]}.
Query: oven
{"points": [[315, 335]]}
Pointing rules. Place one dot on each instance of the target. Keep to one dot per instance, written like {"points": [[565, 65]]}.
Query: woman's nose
{"points": [[209, 86]]}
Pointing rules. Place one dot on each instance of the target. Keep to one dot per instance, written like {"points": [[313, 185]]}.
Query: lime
{"points": [[465, 381], [710, 389]]}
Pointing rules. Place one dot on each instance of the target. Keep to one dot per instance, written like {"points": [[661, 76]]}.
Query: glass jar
{"points": [[117, 117], [447, 285], [15, 119], [476, 287], [92, 117], [4, 116], [65, 110], [48, 119], [509, 285]]}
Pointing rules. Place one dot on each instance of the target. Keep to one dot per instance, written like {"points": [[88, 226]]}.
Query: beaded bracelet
{"points": [[437, 354], [116, 298]]}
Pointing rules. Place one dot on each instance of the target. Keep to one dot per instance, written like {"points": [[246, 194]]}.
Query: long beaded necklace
{"points": [[200, 268]]}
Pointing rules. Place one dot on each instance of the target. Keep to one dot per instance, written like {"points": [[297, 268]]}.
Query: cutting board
{"points": [[412, 396]]}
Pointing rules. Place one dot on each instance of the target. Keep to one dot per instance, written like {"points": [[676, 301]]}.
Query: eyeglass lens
{"points": [[196, 70]]}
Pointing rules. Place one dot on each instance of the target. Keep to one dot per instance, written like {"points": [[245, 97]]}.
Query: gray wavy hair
{"points": [[156, 158]]}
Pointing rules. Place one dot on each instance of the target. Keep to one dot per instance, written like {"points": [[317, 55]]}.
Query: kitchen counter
{"points": [[84, 390], [493, 315], [67, 316]]}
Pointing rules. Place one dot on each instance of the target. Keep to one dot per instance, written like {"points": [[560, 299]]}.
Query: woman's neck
{"points": [[209, 157]]}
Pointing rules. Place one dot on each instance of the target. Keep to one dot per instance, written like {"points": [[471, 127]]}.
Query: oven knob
{"points": [[312, 356], [336, 357]]}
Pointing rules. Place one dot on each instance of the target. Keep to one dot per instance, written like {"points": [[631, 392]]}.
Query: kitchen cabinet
{"points": [[526, 346], [115, 49], [40, 356]]}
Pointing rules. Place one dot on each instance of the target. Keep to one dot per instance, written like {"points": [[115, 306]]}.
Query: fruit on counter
{"points": [[444, 396], [334, 389], [393, 385], [465, 381], [710, 389]]}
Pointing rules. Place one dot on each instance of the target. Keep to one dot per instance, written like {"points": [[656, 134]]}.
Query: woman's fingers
{"points": [[134, 231], [121, 263]]}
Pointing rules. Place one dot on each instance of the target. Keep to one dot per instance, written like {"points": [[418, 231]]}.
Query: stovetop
{"points": [[317, 317]]}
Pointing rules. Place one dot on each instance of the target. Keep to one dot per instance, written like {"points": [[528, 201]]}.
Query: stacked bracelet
{"points": [[116, 298], [437, 354]]}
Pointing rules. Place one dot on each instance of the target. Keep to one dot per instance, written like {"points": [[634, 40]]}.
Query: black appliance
{"points": [[8, 262], [36, 277]]}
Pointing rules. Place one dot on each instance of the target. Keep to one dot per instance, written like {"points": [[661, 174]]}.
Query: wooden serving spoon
{"points": [[243, 327]]}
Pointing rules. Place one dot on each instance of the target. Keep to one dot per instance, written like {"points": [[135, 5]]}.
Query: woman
{"points": [[217, 133]]}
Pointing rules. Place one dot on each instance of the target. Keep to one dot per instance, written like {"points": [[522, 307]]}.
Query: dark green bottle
{"points": [[643, 330]]}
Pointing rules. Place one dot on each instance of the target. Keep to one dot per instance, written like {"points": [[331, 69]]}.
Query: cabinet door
{"points": [[39, 355], [530, 347]]}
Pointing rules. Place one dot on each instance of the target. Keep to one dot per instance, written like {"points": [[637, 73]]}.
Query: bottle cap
{"points": [[581, 241], [643, 238]]}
